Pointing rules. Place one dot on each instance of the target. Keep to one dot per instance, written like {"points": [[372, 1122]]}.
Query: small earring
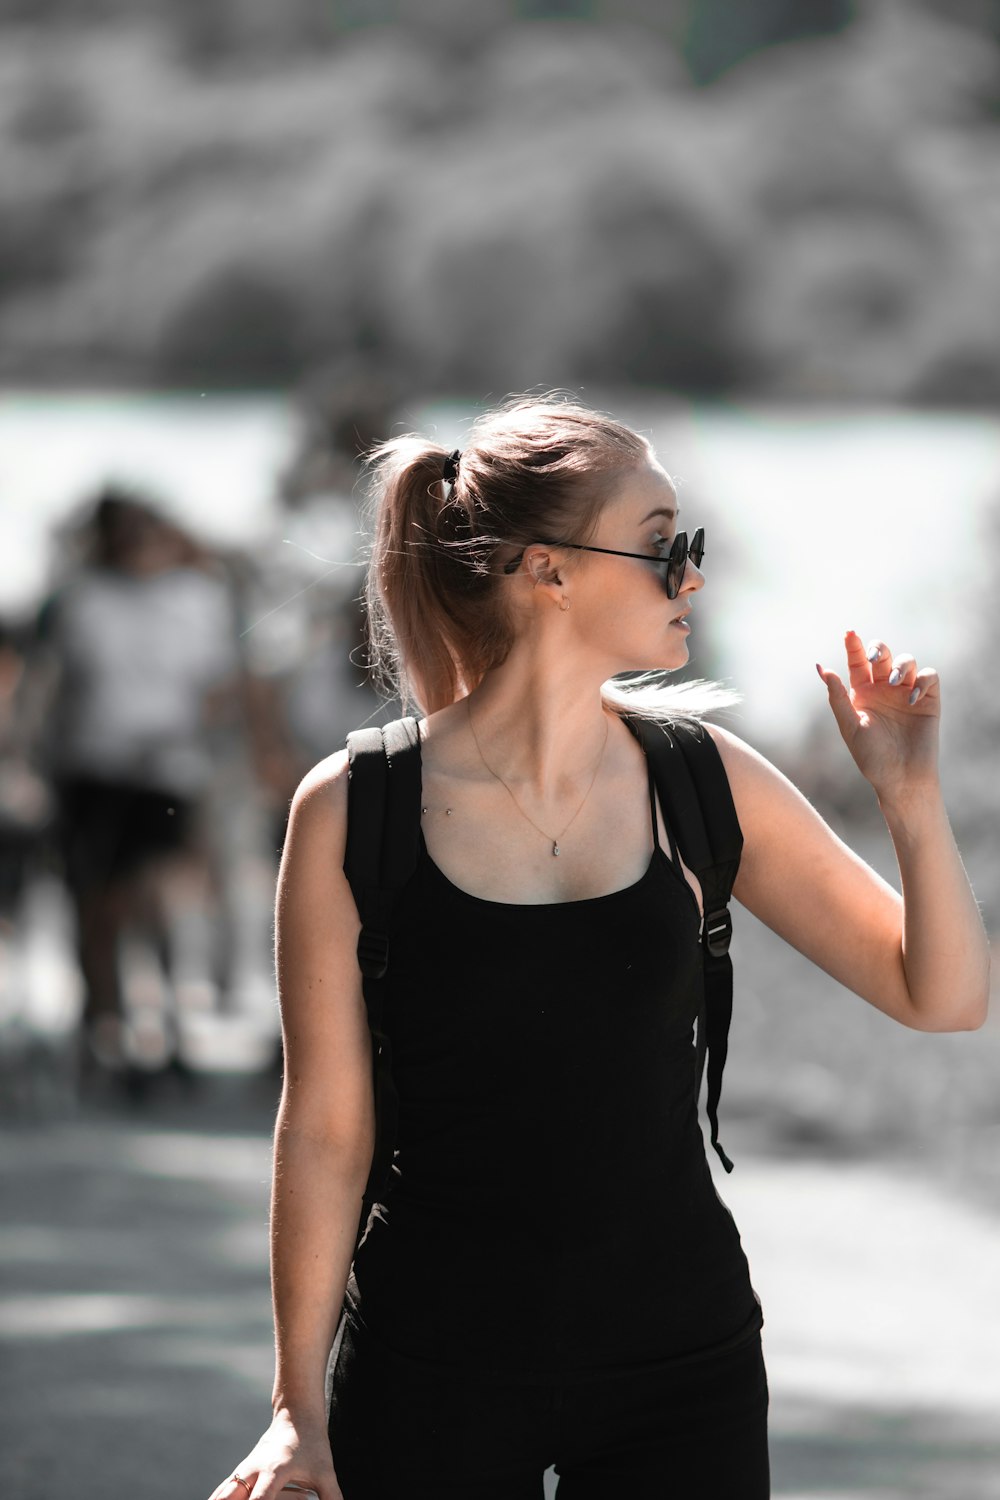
{"points": [[564, 605]]}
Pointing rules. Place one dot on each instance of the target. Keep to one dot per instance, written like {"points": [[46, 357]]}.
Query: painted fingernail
{"points": [[915, 695], [894, 677], [875, 653], [819, 669]]}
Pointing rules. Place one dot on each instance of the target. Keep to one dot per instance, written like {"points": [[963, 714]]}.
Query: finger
{"points": [[299, 1488], [858, 668], [231, 1489], [926, 685], [880, 657], [904, 671], [840, 701]]}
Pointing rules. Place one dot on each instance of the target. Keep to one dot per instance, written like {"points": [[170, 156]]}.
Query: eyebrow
{"points": [[662, 510]]}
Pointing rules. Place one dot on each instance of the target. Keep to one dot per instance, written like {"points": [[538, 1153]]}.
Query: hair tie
{"points": [[449, 472]]}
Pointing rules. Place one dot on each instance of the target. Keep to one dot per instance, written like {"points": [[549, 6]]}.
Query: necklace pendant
{"points": [[555, 847]]}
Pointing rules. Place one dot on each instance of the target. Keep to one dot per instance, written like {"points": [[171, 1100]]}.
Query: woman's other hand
{"points": [[290, 1452], [889, 716]]}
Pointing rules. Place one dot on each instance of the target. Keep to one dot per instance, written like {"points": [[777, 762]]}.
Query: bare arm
{"points": [[923, 957], [324, 1137], [33, 699]]}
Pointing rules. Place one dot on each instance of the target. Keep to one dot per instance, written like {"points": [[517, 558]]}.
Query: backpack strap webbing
{"points": [[383, 840], [697, 801]]}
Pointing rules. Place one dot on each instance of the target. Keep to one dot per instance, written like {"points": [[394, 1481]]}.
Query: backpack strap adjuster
{"points": [[718, 932]]}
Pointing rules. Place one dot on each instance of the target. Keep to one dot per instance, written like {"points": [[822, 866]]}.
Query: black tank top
{"points": [[552, 1213]]}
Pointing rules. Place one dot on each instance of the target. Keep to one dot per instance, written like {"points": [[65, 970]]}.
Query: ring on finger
{"points": [[238, 1479]]}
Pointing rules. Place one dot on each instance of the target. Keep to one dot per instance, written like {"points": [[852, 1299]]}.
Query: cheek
{"points": [[636, 612]]}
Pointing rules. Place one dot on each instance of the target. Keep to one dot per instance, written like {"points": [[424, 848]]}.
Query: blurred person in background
{"points": [[25, 799], [553, 1278], [308, 684], [134, 667], [26, 810]]}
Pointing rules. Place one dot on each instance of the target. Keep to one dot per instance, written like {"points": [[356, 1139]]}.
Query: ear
{"points": [[541, 566], [545, 570]]}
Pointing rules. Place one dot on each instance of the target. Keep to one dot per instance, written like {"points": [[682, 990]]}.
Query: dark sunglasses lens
{"points": [[677, 564], [696, 551]]}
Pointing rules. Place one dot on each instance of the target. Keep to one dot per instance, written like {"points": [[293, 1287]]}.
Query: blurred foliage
{"points": [[720, 34], [498, 196]]}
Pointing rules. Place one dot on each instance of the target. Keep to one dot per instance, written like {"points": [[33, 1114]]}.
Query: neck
{"points": [[537, 729]]}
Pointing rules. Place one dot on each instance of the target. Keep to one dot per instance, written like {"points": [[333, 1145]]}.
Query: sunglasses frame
{"points": [[675, 561]]}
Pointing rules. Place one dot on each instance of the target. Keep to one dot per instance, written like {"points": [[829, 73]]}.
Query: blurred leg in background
{"points": [[128, 867]]}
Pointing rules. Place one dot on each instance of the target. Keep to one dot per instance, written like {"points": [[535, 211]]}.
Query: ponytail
{"points": [[436, 621]]}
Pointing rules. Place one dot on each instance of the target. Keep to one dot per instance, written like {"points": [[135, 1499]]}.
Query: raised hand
{"points": [[889, 716]]}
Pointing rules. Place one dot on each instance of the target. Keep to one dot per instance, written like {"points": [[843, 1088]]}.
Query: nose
{"points": [[693, 580]]}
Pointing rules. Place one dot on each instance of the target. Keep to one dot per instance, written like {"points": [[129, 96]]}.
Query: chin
{"points": [[667, 662], [673, 656]]}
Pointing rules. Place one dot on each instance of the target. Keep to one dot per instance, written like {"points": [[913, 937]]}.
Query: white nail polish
{"points": [[894, 677]]}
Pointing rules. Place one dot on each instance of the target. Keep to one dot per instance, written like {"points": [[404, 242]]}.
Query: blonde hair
{"points": [[436, 606]]}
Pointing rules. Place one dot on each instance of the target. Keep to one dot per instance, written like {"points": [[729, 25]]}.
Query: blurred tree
{"points": [[44, 225], [239, 328], [232, 32], [455, 28], [348, 14], [57, 111], [975, 83], [555, 10], [719, 34], [664, 314], [469, 192], [982, 16], [967, 376]]}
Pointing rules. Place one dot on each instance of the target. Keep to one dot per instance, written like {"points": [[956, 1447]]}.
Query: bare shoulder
{"points": [[731, 747], [770, 808], [326, 781], [319, 805], [311, 878], [751, 775]]}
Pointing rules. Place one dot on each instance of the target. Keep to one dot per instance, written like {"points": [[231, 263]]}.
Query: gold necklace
{"points": [[554, 841]]}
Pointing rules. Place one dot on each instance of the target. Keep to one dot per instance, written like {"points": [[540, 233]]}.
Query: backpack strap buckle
{"points": [[718, 932], [373, 953]]}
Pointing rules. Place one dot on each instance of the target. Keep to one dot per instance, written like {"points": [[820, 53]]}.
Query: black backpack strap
{"points": [[697, 801], [383, 837]]}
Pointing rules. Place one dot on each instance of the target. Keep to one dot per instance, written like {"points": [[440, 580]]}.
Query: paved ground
{"points": [[136, 1344]]}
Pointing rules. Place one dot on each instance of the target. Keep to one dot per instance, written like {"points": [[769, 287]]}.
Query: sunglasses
{"points": [[675, 561]]}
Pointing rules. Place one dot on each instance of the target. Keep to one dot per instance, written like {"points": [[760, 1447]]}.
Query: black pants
{"points": [[403, 1430]]}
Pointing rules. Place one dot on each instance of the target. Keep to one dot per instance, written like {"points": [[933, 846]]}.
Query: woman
{"points": [[135, 664], [554, 1280]]}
